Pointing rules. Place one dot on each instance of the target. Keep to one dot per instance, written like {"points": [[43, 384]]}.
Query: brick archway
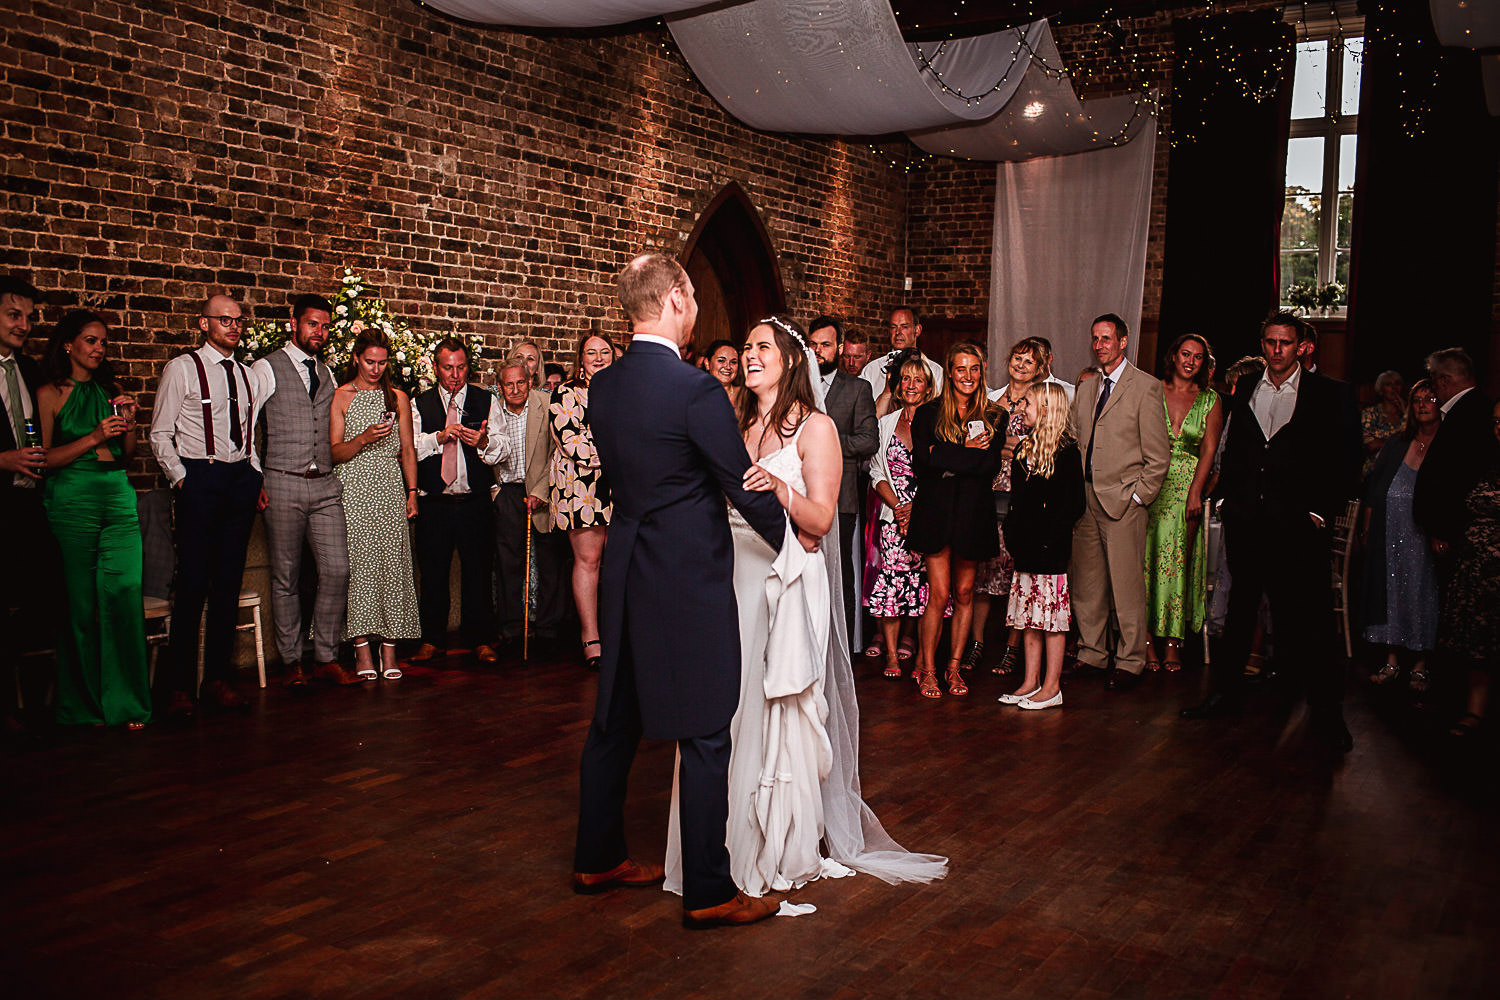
{"points": [[733, 265]]}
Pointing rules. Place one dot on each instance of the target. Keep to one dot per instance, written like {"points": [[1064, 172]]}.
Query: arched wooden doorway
{"points": [[733, 266]]}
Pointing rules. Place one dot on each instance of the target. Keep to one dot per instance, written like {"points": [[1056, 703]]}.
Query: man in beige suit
{"points": [[521, 495], [1122, 436]]}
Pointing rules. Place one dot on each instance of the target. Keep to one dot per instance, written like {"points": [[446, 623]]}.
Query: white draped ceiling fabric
{"points": [[1069, 245], [1043, 118], [1471, 25]]}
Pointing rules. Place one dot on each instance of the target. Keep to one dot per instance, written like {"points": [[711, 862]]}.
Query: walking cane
{"points": [[526, 592]]}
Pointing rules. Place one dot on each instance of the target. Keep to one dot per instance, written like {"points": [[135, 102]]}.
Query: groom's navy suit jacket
{"points": [[671, 449]]}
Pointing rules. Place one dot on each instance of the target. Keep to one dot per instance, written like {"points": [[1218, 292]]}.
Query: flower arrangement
{"points": [[1307, 296], [356, 309]]}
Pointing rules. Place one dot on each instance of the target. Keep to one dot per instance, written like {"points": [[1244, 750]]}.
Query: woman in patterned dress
{"points": [[900, 588], [1384, 420], [370, 429], [1046, 500], [579, 500], [1176, 546]]}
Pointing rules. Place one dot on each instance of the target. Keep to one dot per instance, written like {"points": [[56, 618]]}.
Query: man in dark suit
{"points": [[1283, 479], [850, 403], [1460, 453], [670, 445], [26, 598]]}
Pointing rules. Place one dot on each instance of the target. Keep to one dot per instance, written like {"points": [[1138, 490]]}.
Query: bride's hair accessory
{"points": [[786, 328]]}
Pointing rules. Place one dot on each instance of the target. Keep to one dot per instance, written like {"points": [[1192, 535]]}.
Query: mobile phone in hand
{"points": [[976, 428], [388, 417]]}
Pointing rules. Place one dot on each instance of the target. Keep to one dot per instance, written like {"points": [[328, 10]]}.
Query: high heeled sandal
{"points": [[1420, 680], [1386, 674], [876, 649], [592, 662], [364, 673], [956, 686], [906, 649], [927, 684], [972, 654], [893, 669], [1169, 665], [1008, 661], [390, 671]]}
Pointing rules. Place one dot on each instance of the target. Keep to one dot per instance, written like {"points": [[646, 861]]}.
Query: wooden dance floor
{"points": [[414, 839]]}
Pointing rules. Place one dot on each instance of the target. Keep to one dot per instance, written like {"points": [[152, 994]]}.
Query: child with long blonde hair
{"points": [[1046, 500]]}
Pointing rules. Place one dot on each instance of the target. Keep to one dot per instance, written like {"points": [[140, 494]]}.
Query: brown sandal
{"points": [[893, 668], [927, 683], [956, 686]]}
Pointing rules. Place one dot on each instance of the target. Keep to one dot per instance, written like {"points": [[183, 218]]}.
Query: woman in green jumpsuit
{"points": [[88, 429]]}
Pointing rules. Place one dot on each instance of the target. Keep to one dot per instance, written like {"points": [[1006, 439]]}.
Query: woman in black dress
{"points": [[956, 443]]}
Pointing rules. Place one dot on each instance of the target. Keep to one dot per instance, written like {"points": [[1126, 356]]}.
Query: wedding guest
{"points": [[1469, 628], [554, 376], [88, 429], [1384, 420], [1126, 454], [370, 430], [1046, 500], [1283, 481], [956, 453], [847, 401], [522, 476], [301, 501], [855, 353], [1461, 452], [28, 600], [1400, 599], [1176, 539], [722, 361], [578, 495], [1026, 367], [201, 425], [906, 331], [531, 354], [1084, 374], [457, 443], [1043, 352], [899, 592]]}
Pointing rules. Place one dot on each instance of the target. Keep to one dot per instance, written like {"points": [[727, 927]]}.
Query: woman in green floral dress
{"points": [[1175, 549], [371, 433]]}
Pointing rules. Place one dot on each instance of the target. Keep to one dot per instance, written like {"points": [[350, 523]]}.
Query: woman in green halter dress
{"points": [[88, 429], [1176, 553]]}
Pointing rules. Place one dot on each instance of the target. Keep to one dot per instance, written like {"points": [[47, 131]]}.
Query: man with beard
{"points": [[301, 498], [849, 402]]}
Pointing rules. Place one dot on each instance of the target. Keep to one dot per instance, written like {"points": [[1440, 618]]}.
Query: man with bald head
{"points": [[201, 426]]}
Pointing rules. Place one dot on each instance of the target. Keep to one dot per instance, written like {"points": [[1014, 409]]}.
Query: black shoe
{"points": [[972, 654], [1328, 725], [1122, 680], [1215, 706], [1083, 671]]}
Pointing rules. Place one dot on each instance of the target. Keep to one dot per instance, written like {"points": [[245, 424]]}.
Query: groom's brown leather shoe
{"points": [[625, 875], [742, 909]]}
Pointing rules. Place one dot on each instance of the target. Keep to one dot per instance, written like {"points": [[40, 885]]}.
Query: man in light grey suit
{"points": [[851, 403], [1120, 418], [300, 497]]}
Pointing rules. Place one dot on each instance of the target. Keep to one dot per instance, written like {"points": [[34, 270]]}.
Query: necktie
{"points": [[235, 435], [1088, 465], [17, 405], [450, 450], [312, 378]]}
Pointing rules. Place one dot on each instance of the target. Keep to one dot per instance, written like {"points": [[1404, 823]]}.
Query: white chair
{"points": [[248, 599], [1343, 555]]}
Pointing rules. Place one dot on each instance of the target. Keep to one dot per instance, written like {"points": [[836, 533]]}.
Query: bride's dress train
{"points": [[794, 771]]}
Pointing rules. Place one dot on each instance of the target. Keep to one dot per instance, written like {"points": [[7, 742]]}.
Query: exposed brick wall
{"points": [[486, 181]]}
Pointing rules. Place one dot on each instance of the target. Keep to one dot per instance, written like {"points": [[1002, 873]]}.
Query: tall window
{"points": [[1316, 224]]}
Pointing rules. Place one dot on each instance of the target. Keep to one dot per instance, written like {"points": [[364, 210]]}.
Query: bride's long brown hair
{"points": [[794, 393]]}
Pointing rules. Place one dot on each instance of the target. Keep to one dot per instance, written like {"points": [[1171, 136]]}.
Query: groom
{"points": [[670, 445]]}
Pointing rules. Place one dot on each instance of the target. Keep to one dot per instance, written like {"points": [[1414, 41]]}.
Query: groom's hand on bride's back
{"points": [[808, 541]]}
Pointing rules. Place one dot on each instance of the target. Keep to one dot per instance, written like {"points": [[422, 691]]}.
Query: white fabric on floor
{"points": [[1070, 244], [841, 67], [1043, 118]]}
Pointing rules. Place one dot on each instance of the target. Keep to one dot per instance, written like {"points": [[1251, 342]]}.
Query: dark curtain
{"points": [[1423, 266], [1231, 105]]}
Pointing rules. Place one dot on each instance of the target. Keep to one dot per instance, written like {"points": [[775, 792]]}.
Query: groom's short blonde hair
{"points": [[645, 283]]}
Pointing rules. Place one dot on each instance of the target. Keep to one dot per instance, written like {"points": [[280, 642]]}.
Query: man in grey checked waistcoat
{"points": [[301, 497]]}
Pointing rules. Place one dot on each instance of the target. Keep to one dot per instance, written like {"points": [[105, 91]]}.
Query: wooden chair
{"points": [[1344, 531]]}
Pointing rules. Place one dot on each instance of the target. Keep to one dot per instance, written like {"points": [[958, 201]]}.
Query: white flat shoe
{"points": [[1014, 699], [1053, 702]]}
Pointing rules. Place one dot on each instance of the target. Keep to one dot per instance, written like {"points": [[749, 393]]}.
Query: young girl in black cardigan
{"points": [[1046, 499]]}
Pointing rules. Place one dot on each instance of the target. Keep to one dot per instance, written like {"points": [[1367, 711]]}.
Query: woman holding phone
{"points": [[371, 432], [957, 442]]}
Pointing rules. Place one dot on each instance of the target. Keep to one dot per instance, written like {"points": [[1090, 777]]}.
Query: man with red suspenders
{"points": [[201, 426]]}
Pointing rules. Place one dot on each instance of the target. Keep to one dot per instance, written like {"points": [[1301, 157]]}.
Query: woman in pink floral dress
{"points": [[579, 499]]}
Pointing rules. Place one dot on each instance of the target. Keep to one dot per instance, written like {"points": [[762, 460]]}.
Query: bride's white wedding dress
{"points": [[793, 770]]}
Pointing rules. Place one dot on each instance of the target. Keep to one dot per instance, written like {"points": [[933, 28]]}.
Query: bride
{"points": [[795, 809]]}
